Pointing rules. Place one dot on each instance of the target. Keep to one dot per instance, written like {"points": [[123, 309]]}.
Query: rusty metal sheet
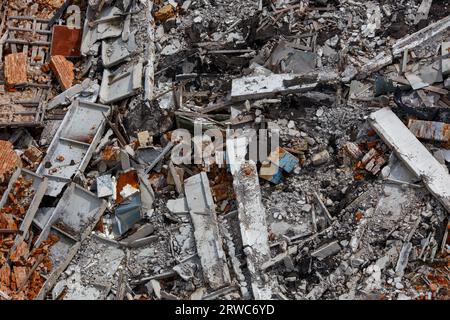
{"points": [[430, 130], [66, 42]]}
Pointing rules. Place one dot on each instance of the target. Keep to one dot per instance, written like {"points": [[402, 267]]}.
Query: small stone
{"points": [[344, 243], [447, 83], [306, 207], [399, 286], [290, 279], [385, 172], [310, 141], [320, 158], [291, 124]]}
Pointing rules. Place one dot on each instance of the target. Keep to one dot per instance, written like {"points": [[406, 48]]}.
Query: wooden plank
{"points": [[413, 154]]}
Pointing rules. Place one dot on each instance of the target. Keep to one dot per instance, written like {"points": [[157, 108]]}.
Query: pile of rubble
{"points": [[224, 149]]}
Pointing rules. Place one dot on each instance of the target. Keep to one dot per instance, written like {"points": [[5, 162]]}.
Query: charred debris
{"points": [[352, 203]]}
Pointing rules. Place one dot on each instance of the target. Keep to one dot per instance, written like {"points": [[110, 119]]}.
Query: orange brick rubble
{"points": [[15, 69], [63, 70], [9, 160], [165, 13]]}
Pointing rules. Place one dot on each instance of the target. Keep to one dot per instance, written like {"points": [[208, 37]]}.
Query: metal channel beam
{"points": [[73, 144]]}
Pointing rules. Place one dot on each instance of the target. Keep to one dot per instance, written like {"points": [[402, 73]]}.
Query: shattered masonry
{"points": [[346, 104]]}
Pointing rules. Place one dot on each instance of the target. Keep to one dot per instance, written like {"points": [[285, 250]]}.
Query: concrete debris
{"points": [[430, 33], [252, 217], [413, 153], [326, 250], [445, 50], [118, 86], [224, 149], [206, 232]]}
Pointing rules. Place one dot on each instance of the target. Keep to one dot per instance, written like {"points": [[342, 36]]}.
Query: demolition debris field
{"points": [[129, 131]]}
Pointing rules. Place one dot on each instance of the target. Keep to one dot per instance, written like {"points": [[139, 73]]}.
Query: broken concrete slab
{"points": [[105, 186], [178, 206], [286, 58], [326, 250], [426, 34], [425, 76], [253, 226], [142, 232], [445, 50], [413, 153], [206, 231]]}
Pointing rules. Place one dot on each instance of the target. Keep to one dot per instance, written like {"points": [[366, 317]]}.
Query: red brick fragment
{"points": [[15, 69], [63, 70]]}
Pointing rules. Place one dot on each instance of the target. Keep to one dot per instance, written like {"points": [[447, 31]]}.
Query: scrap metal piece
{"points": [[259, 87], [127, 215], [117, 50], [206, 231], [86, 91], [75, 140], [412, 153], [430, 130], [252, 218], [77, 209], [66, 42], [118, 87]]}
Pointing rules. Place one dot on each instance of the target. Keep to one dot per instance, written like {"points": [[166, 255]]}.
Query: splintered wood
{"points": [[63, 70], [15, 69]]}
